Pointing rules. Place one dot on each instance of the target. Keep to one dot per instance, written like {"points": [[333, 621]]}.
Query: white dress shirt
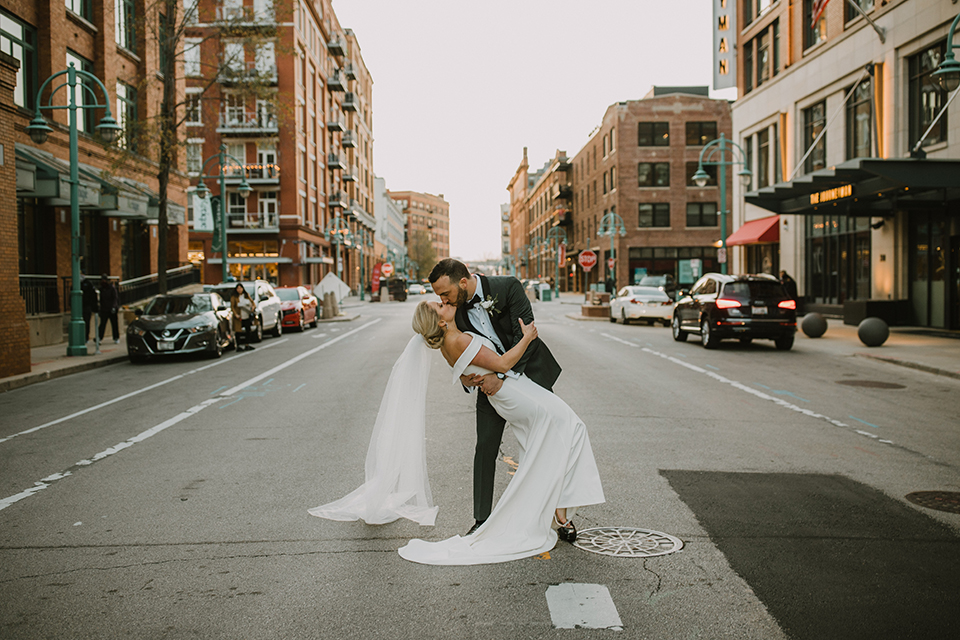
{"points": [[480, 319]]}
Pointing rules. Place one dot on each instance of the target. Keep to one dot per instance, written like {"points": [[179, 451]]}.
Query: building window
{"points": [[925, 97], [191, 57], [748, 151], [814, 119], [127, 115], [653, 174], [19, 40], [81, 8], [860, 121], [764, 57], [126, 26], [194, 110], [604, 182], [748, 67], [763, 158], [851, 13], [776, 46], [701, 214], [85, 119], [194, 157], [653, 134], [813, 33], [753, 9], [710, 169], [700, 133], [191, 13], [654, 215]]}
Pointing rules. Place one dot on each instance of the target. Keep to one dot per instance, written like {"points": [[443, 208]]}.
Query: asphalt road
{"points": [[170, 500]]}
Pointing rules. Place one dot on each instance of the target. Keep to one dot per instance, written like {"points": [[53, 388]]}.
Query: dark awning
{"points": [[760, 231], [863, 187]]}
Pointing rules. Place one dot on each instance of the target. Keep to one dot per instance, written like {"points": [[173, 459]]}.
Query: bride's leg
{"points": [[561, 516]]}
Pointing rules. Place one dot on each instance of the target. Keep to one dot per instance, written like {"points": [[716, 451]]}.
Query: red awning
{"points": [[756, 232]]}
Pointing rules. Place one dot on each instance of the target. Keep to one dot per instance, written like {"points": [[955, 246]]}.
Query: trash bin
{"points": [[546, 294]]}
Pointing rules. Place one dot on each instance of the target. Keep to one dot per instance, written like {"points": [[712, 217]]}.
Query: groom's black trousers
{"points": [[489, 435]]}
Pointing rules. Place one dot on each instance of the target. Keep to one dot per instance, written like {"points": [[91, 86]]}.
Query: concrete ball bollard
{"points": [[873, 332], [813, 325]]}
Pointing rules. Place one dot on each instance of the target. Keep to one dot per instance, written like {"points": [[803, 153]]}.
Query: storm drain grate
{"points": [[871, 384], [627, 542], [940, 500]]}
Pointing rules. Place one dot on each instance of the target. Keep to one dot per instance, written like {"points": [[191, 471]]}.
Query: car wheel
{"points": [[678, 334], [665, 323], [303, 325], [217, 350], [746, 341], [785, 343], [315, 318], [613, 319], [708, 338], [278, 328], [257, 330]]}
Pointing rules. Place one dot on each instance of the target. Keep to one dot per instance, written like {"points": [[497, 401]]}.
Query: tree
{"points": [[421, 250]]}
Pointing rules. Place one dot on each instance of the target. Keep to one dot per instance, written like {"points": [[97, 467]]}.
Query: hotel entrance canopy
{"points": [[864, 187]]}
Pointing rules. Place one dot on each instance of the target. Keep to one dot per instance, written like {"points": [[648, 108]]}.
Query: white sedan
{"points": [[416, 288], [649, 304]]}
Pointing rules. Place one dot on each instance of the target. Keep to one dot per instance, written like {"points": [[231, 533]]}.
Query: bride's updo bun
{"points": [[426, 322]]}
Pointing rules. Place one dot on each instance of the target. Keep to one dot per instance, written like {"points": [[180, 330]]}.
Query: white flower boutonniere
{"points": [[490, 304]]}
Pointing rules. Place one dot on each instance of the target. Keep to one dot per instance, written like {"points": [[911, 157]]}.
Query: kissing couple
{"points": [[484, 328]]}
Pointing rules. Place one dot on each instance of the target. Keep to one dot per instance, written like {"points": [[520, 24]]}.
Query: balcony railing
{"points": [[335, 82], [336, 123], [246, 15], [350, 101], [350, 71], [253, 172], [250, 72], [248, 122], [337, 199], [39, 293], [264, 221], [336, 46], [350, 174], [562, 192], [349, 140]]}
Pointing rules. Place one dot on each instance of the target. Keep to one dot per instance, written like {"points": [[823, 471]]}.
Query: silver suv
{"points": [[268, 315]]}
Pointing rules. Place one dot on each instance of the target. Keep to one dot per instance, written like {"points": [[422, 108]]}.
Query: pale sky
{"points": [[461, 87]]}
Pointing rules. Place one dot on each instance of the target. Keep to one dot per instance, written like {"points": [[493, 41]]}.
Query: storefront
{"points": [[760, 240], [685, 264], [879, 237]]}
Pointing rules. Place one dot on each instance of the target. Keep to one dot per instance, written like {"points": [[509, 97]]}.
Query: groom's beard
{"points": [[461, 296]]}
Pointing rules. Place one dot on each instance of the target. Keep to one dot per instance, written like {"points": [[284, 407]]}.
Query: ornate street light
{"points": [[709, 156], [338, 232], [611, 225], [224, 160], [557, 236], [948, 73], [38, 130]]}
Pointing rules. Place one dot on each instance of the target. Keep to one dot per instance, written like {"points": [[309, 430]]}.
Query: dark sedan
{"points": [[182, 323], [743, 307]]}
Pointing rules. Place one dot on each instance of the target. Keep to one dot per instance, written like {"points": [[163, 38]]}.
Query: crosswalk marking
{"points": [[582, 606]]}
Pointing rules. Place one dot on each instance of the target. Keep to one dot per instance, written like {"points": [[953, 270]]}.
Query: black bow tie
{"points": [[471, 303]]}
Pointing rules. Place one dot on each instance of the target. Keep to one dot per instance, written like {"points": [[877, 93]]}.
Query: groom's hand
{"points": [[472, 380], [491, 384]]}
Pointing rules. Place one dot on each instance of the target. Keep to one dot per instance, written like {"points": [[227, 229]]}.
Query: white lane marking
{"points": [[750, 390], [319, 335], [582, 606], [305, 354], [134, 393], [149, 433]]}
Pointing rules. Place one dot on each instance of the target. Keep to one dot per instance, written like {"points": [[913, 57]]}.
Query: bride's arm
{"points": [[486, 358]]}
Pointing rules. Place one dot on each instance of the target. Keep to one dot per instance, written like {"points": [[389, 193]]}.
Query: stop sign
{"points": [[587, 260], [610, 262], [387, 269]]}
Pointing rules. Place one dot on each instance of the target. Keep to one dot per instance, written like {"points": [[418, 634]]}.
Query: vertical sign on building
{"points": [[724, 44]]}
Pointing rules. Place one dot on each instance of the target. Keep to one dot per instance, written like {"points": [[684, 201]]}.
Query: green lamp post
{"points": [[224, 160], [948, 73], [557, 236], [611, 225], [338, 232]]}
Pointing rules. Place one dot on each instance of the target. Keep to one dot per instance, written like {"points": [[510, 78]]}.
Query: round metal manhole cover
{"points": [[627, 542], [940, 500], [871, 384]]}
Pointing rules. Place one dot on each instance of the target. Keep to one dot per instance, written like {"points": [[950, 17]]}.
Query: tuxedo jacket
{"points": [[512, 303]]}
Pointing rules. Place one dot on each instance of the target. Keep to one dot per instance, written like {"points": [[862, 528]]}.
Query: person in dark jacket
{"points": [[109, 306], [90, 302], [789, 284]]}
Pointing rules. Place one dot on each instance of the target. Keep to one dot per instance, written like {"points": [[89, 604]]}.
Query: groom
{"points": [[490, 306]]}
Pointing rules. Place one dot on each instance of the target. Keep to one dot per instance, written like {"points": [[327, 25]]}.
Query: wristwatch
{"points": [[502, 376]]}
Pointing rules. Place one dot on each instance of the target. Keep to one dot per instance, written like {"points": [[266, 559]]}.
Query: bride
{"points": [[556, 473]]}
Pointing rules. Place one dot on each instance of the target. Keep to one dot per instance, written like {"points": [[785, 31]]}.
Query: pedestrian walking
{"points": [[789, 284], [90, 302], [109, 306], [242, 306]]}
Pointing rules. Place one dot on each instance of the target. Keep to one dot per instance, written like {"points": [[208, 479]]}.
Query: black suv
{"points": [[744, 307]]}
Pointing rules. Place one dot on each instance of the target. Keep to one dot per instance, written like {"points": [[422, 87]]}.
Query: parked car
{"points": [[665, 283], [415, 288], [299, 307], [537, 287], [650, 304], [741, 306], [268, 314], [181, 323]]}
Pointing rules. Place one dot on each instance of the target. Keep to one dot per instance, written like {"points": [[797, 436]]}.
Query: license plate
{"points": [[759, 311], [166, 345]]}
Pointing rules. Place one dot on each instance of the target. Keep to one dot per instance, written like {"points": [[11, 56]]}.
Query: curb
{"points": [[26, 379], [343, 318], [912, 365], [586, 318]]}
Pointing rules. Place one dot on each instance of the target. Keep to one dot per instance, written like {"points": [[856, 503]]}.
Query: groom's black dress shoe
{"points": [[476, 525]]}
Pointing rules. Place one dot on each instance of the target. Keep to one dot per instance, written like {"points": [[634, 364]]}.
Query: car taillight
{"points": [[788, 304], [667, 303], [725, 303], [635, 301]]}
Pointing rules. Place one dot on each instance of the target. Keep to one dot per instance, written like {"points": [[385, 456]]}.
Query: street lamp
{"points": [[38, 130], [559, 236], [365, 241], [611, 225], [537, 246], [948, 73], [708, 156], [224, 160], [523, 255], [338, 232]]}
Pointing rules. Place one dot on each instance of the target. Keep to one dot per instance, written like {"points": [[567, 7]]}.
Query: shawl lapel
{"points": [[491, 290]]}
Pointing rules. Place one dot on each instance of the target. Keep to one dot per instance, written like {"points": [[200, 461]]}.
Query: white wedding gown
{"points": [[556, 470]]}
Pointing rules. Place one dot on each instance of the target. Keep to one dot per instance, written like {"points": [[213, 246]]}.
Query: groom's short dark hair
{"points": [[453, 269]]}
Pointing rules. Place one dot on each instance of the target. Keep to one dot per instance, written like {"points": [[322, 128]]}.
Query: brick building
{"points": [[118, 190], [295, 109], [425, 213]]}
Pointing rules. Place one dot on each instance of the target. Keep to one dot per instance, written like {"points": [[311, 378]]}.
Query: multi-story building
{"points": [[292, 103], [505, 232], [118, 189], [639, 165], [855, 177], [426, 214], [391, 223]]}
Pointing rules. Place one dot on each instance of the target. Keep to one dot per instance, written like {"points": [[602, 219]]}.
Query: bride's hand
{"points": [[529, 330]]}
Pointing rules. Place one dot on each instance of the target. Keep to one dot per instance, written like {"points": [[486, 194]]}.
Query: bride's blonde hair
{"points": [[426, 322]]}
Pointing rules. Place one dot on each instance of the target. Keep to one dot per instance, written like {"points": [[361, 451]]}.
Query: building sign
{"points": [[202, 213], [724, 44], [831, 194]]}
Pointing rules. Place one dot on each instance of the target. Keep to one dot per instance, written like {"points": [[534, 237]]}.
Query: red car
{"points": [[299, 307]]}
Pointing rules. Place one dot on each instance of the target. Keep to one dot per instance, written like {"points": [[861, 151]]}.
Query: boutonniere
{"points": [[490, 304]]}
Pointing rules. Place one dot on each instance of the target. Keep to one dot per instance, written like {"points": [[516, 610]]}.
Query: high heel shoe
{"points": [[566, 530]]}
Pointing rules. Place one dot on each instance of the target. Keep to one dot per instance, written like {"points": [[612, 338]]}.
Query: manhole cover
{"points": [[871, 384], [939, 500], [626, 542]]}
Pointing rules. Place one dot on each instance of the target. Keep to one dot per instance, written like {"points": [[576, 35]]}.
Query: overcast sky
{"points": [[461, 87]]}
